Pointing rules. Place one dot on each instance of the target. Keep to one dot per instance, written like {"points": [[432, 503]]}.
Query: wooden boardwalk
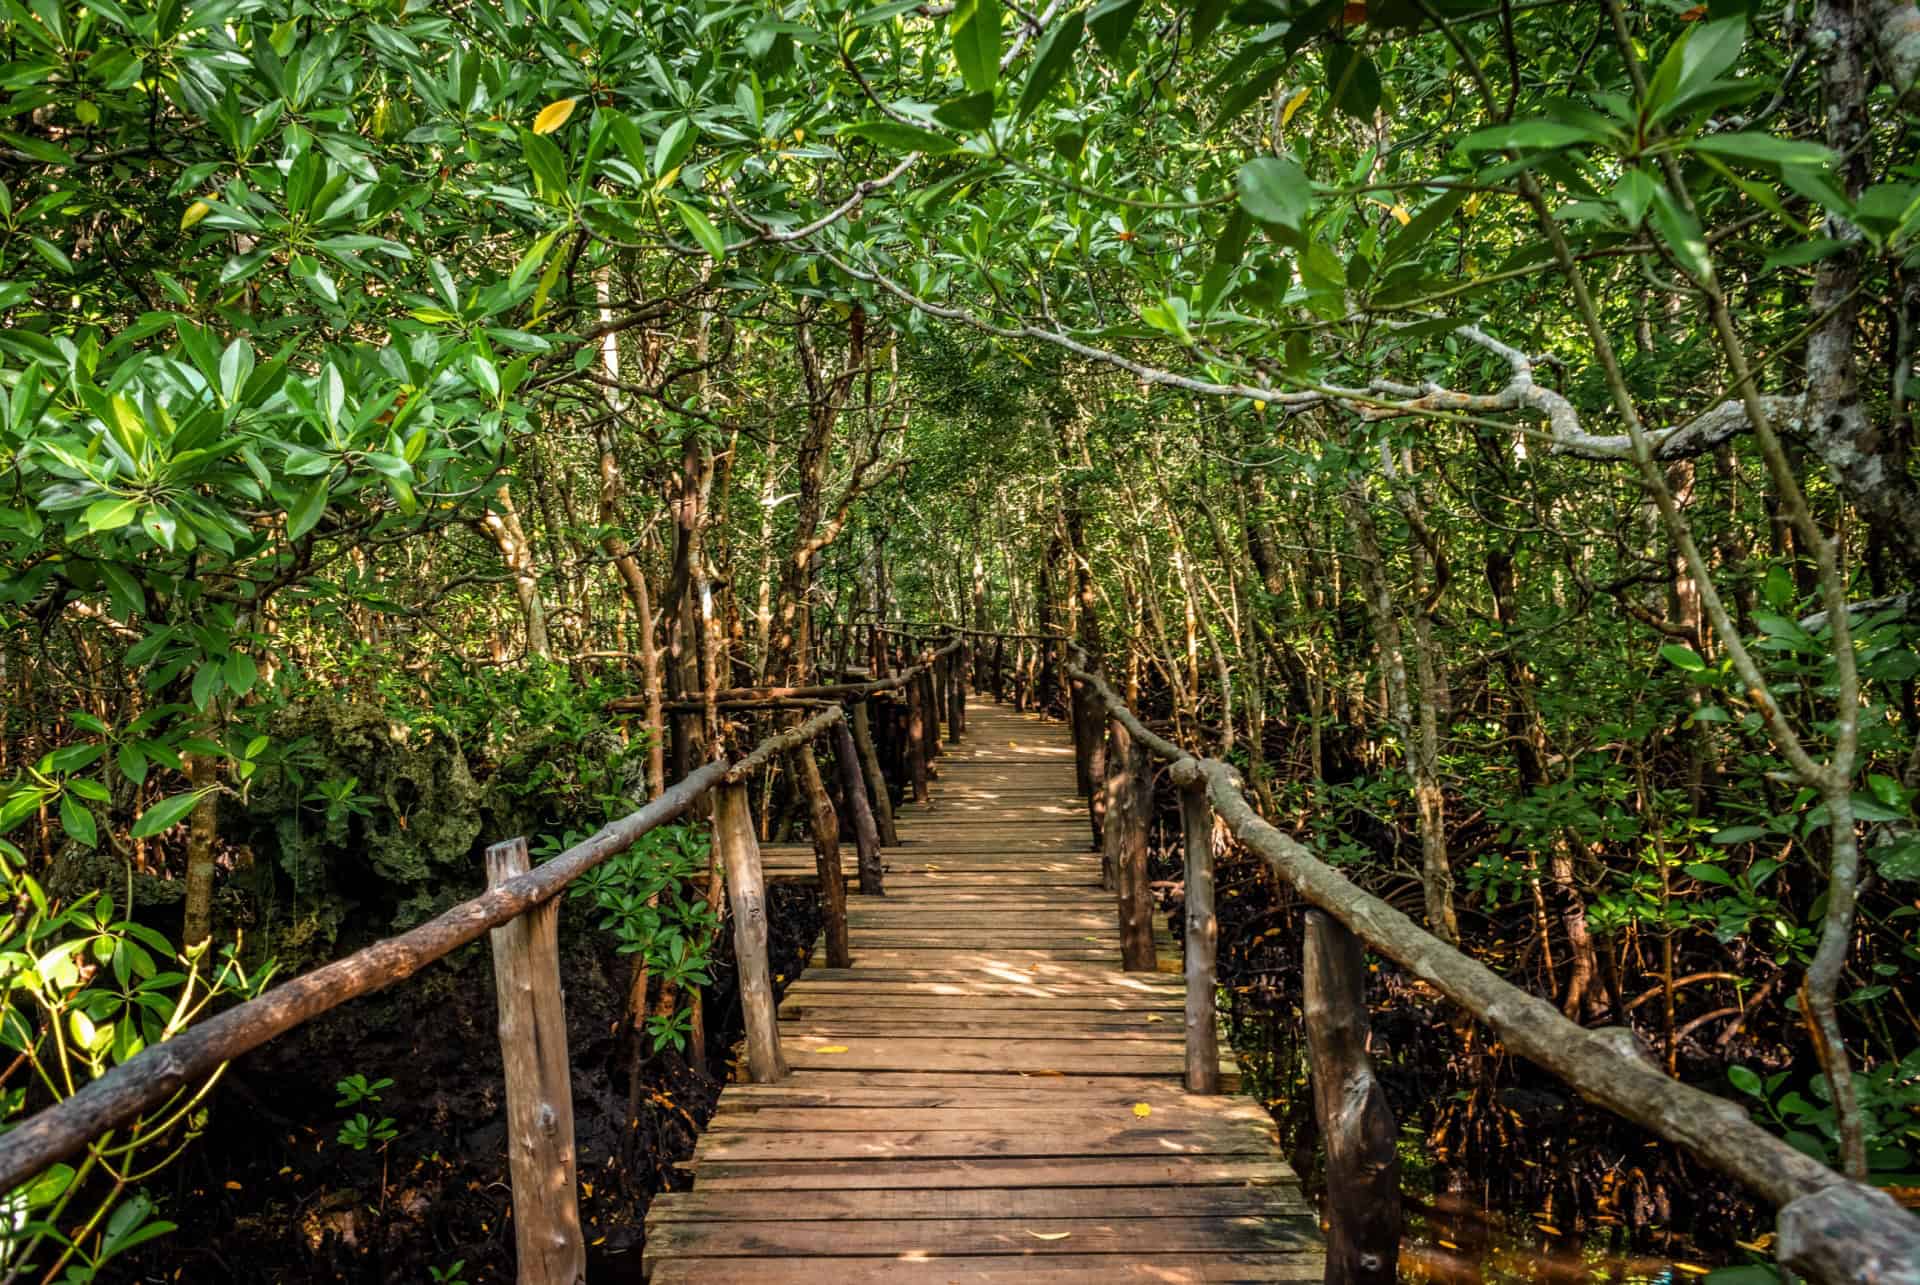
{"points": [[984, 1095]]}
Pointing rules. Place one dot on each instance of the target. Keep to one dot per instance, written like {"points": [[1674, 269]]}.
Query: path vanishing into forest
{"points": [[984, 1094]]}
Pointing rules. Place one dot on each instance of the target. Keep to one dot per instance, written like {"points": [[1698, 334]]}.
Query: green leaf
{"points": [[975, 111], [1746, 1081], [701, 228], [1693, 64], [676, 140], [1681, 233], [976, 43], [1681, 656], [1740, 834], [110, 515], [1111, 20], [1633, 194], [1527, 135], [307, 509], [240, 673], [893, 136], [164, 814], [1762, 149], [128, 596], [78, 822], [1353, 81], [1275, 190], [1051, 58]]}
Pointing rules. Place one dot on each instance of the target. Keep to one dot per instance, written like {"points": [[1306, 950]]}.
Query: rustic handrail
{"points": [[153, 1076], [1830, 1227]]}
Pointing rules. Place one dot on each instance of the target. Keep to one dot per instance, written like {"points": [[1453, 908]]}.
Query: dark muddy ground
{"points": [[271, 1194]]}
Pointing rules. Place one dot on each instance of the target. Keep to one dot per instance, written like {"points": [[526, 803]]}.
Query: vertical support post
{"points": [[1203, 939], [533, 1045], [1363, 1172], [824, 822], [866, 834], [882, 812], [747, 895], [917, 740], [957, 695], [1129, 805], [929, 714], [1000, 667]]}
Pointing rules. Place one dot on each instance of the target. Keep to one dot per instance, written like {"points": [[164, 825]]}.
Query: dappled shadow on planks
{"points": [[984, 1094]]}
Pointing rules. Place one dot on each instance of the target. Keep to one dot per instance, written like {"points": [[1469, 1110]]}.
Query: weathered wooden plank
{"points": [[998, 1203], [895, 1174], [909, 1269], [1233, 1233]]}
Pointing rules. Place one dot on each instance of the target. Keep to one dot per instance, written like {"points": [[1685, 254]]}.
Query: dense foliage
{"points": [[1489, 422]]}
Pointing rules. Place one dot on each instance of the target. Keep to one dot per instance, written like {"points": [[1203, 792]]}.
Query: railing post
{"points": [[1000, 667], [866, 834], [957, 693], [929, 715], [824, 823], [917, 740], [882, 812], [747, 894], [1363, 1171], [1129, 808], [1203, 940], [533, 1046]]}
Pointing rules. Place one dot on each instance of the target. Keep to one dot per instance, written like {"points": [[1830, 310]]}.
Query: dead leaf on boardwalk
{"points": [[1155, 1017], [831, 1048], [1049, 1235], [1142, 1110]]}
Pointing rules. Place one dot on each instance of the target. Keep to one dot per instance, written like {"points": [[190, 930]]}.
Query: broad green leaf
{"points": [[1526, 135], [164, 814], [78, 822], [702, 230], [974, 111], [1762, 149], [1680, 232], [307, 509], [1275, 190], [1111, 20], [1051, 58], [976, 43], [1681, 656], [893, 136], [110, 515]]}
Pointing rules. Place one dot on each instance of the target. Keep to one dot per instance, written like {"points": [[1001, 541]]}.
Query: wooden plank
{"points": [[895, 1174], [991, 1118], [1233, 1233], [908, 1269], [999, 1203]]}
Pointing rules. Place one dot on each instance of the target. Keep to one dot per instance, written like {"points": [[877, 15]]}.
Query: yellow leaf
{"points": [[1294, 104], [1155, 1017], [831, 1048], [1259, 405], [553, 116], [1142, 1110], [194, 213], [1400, 212], [1049, 1235], [234, 1186]]}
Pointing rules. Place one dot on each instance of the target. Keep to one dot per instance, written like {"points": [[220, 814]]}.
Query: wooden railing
{"points": [[520, 910], [1829, 1227]]}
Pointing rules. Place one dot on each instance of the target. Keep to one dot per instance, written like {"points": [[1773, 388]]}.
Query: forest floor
{"points": [[272, 1195]]}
